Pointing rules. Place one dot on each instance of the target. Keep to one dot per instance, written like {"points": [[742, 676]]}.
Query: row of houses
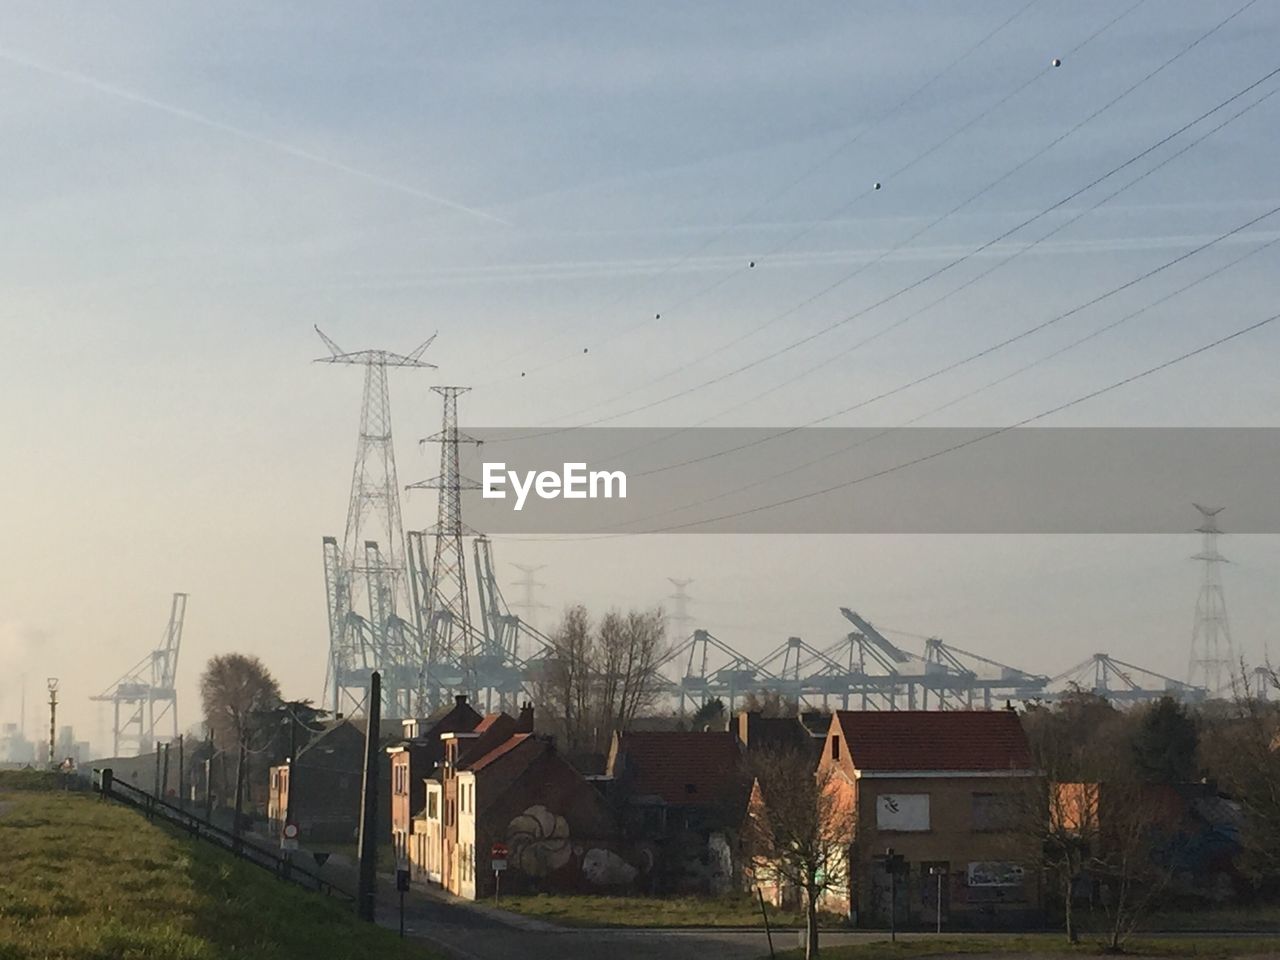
{"points": [[935, 799]]}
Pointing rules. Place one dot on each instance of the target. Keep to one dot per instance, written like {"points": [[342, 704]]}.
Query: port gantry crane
{"points": [[145, 697]]}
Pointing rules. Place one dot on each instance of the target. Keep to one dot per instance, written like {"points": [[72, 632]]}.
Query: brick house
{"points": [[1187, 828], [320, 789], [682, 797], [946, 791], [434, 848], [414, 759], [501, 783]]}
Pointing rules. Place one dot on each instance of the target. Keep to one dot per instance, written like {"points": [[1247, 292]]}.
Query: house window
{"points": [[993, 812], [835, 748], [433, 806]]}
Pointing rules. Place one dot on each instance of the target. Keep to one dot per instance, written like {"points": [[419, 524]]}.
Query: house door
{"points": [[890, 891]]}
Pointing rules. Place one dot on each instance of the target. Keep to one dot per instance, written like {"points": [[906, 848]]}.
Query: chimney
{"points": [[525, 723], [460, 699]]}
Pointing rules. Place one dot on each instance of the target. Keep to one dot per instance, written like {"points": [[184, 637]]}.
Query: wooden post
{"points": [[235, 826], [164, 775], [366, 897], [767, 932]]}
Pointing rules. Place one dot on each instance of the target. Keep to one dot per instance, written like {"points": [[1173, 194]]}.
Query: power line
{"points": [[777, 194], [1116, 385], [946, 368], [1093, 334], [841, 322]]}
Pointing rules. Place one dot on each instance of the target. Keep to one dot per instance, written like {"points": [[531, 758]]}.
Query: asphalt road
{"points": [[468, 931]]}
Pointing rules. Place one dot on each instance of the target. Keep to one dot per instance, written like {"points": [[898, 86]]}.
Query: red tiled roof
{"points": [[499, 751], [679, 768], [904, 740], [489, 720]]}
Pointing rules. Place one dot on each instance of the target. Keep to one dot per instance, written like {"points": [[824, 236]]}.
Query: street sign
{"points": [[499, 865], [289, 837], [402, 878], [498, 854]]}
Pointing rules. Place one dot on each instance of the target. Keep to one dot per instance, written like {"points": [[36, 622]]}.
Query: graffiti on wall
{"points": [[540, 844], [539, 841]]}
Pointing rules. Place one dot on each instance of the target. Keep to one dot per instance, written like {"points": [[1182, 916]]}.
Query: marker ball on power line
{"points": [[876, 186], [751, 264], [1056, 62]]}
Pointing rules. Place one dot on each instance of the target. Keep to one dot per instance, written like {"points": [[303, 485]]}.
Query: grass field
{"points": [[1049, 945], [91, 880], [593, 911]]}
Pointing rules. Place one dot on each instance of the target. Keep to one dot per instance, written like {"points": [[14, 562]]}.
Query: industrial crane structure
{"points": [[145, 698]]}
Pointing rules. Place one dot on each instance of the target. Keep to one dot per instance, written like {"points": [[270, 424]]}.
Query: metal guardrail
{"points": [[199, 828]]}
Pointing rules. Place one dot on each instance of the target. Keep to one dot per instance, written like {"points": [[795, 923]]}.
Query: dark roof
{"points": [[678, 767], [324, 741], [499, 751], [903, 740]]}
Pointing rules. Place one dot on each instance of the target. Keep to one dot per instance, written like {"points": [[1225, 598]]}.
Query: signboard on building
{"points": [[902, 811], [995, 873]]}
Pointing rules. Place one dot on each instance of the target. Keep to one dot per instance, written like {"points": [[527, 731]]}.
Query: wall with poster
{"points": [[902, 811]]}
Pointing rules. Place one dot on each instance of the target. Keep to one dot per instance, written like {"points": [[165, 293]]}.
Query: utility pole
{"points": [[53, 718], [164, 775], [366, 896], [182, 776], [208, 777], [235, 826]]}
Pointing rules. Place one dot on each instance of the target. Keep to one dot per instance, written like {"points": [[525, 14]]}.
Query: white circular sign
{"points": [[291, 831]]}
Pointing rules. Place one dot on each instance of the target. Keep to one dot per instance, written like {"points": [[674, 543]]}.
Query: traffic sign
{"points": [[498, 851], [291, 831]]}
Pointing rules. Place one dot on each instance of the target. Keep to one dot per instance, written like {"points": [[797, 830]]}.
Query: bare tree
{"points": [[563, 689], [1242, 749], [630, 649], [799, 829], [235, 691], [596, 681]]}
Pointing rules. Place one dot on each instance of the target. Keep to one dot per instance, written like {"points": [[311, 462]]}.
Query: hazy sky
{"points": [[186, 189]]}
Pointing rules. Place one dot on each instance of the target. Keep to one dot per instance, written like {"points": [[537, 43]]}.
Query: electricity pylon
{"points": [[1211, 648], [366, 585], [449, 632]]}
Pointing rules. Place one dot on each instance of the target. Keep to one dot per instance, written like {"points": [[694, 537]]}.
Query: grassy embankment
{"points": [[84, 879], [1050, 945]]}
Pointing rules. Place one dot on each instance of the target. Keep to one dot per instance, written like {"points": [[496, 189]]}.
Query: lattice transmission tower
{"points": [[1212, 651], [450, 635], [365, 579], [679, 615], [529, 604]]}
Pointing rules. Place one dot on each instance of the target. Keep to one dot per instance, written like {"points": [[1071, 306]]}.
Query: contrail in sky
{"points": [[279, 145]]}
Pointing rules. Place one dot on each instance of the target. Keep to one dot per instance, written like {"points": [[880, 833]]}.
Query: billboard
{"points": [[902, 811], [995, 873]]}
